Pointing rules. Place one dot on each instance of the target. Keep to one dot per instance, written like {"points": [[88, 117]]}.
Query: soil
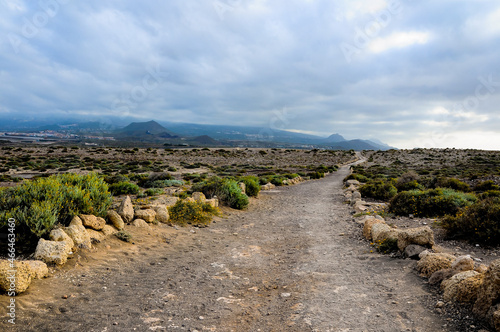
{"points": [[294, 261]]}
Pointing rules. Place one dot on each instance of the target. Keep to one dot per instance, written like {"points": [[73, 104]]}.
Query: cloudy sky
{"points": [[411, 73]]}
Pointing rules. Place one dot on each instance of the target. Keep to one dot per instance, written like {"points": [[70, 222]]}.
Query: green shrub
{"points": [[378, 189], [489, 193], [252, 186], [486, 186], [387, 246], [227, 191], [39, 204], [124, 188], [453, 184], [156, 180], [193, 213], [477, 223], [430, 203], [358, 177], [316, 175], [412, 185]]}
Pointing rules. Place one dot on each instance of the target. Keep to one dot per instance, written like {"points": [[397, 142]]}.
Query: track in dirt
{"points": [[292, 262]]}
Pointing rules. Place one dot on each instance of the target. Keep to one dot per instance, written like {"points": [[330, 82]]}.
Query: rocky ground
{"points": [[295, 261]]}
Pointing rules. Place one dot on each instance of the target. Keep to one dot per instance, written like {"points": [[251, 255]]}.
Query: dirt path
{"points": [[293, 262]]}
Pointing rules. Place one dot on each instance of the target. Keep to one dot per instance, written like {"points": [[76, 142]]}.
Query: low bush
{"points": [[412, 185], [192, 213], [227, 191], [39, 204], [124, 188], [489, 193], [479, 222], [453, 184], [486, 186], [316, 175], [430, 203], [155, 180], [378, 189], [358, 177], [252, 186]]}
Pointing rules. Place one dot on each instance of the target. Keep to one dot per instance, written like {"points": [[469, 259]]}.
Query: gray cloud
{"points": [[240, 61]]}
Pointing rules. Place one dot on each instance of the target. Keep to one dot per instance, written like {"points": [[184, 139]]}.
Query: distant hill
{"points": [[145, 130], [334, 138]]}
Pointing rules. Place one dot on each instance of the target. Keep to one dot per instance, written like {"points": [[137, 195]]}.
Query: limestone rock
{"points": [[52, 252], [481, 268], [433, 262], [199, 197], [95, 235], [423, 236], [352, 182], [439, 276], [126, 210], [267, 186], [93, 222], [170, 201], [189, 200], [109, 230], [15, 278], [382, 231], [367, 229], [453, 290], [78, 234], [356, 195], [115, 219], [488, 294], [39, 269], [352, 188], [161, 213], [413, 251], [243, 187], [140, 223], [463, 263], [59, 234], [148, 215], [214, 202]]}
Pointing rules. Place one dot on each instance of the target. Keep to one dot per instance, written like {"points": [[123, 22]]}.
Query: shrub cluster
{"points": [[193, 213], [39, 204], [252, 185], [124, 188], [227, 191], [378, 189], [430, 203]]}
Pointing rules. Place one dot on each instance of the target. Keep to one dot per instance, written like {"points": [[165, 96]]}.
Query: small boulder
{"points": [[214, 202], [109, 230], [78, 234], [52, 252], [199, 197], [488, 293], [115, 219], [148, 215], [367, 229], [453, 288], [95, 235], [161, 213], [413, 251], [140, 223], [15, 278], [433, 262], [356, 195], [439, 276], [93, 222], [170, 201], [59, 234], [126, 210], [39, 269], [423, 236], [382, 232], [243, 187], [463, 263], [481, 268], [352, 182]]}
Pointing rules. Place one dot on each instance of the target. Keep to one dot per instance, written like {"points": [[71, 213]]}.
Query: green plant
{"points": [[479, 222], [193, 213], [124, 236], [252, 186], [124, 188], [430, 203], [486, 186], [387, 246], [378, 189], [453, 184], [227, 191]]}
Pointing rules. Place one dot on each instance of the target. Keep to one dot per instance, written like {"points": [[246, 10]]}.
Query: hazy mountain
{"points": [[334, 138], [145, 130]]}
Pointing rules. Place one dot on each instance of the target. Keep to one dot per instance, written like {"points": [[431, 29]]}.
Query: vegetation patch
{"points": [[226, 190], [192, 213]]}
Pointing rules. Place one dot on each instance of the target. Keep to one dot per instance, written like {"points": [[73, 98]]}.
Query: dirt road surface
{"points": [[293, 262]]}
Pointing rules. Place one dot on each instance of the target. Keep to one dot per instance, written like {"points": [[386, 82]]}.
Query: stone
{"points": [[360, 206], [126, 210], [413, 251], [39, 269], [109, 230], [439, 276], [189, 200], [243, 187], [161, 213], [213, 202], [170, 201], [115, 219], [352, 182], [140, 223], [15, 278], [199, 197], [93, 222], [52, 252], [382, 231], [59, 234], [356, 195], [423, 236], [433, 262], [267, 186], [95, 235], [463, 263], [78, 234], [148, 215], [352, 188], [367, 228], [452, 290], [481, 268], [488, 294]]}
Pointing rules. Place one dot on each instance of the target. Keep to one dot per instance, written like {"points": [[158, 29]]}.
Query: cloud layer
{"points": [[411, 73]]}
